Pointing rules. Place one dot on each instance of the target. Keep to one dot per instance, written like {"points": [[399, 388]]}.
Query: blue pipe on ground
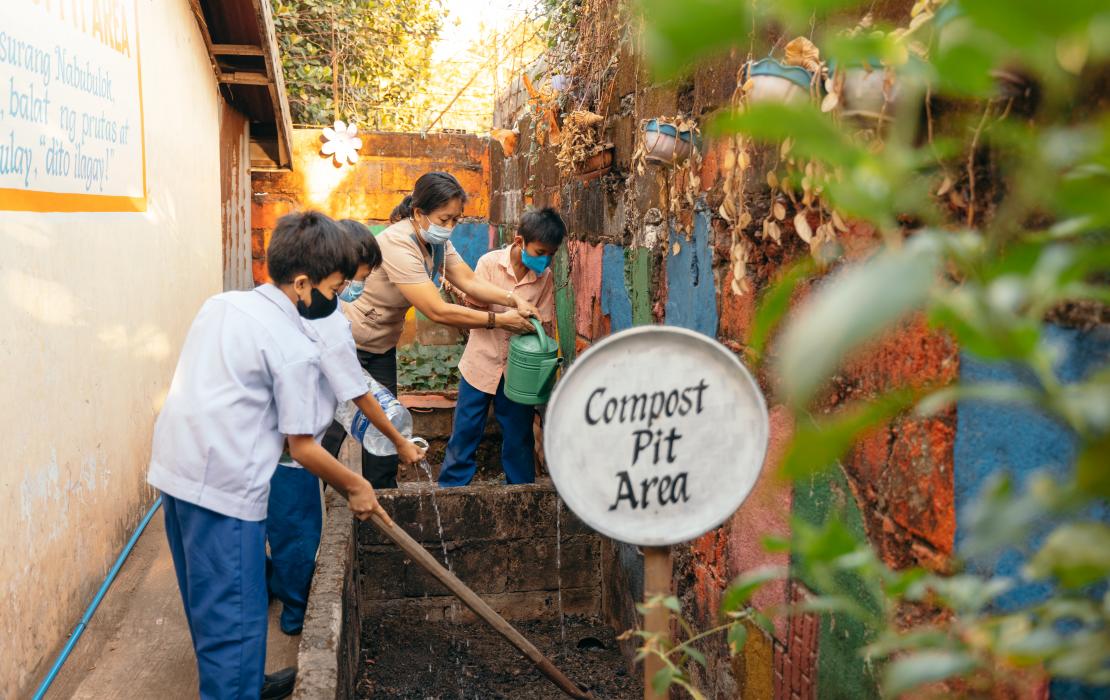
{"points": [[87, 617]]}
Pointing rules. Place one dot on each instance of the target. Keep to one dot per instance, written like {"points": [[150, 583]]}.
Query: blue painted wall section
{"points": [[615, 302], [993, 438], [471, 240], [691, 293]]}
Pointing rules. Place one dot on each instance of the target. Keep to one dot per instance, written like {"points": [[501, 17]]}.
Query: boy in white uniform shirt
{"points": [[295, 516], [246, 382]]}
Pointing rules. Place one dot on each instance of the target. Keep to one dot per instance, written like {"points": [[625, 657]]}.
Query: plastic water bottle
{"points": [[361, 429]]}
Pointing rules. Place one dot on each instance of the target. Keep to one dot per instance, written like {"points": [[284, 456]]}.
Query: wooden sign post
{"points": [[657, 581], [655, 436]]}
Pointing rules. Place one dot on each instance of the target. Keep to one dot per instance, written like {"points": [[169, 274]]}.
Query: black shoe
{"points": [[279, 684]]}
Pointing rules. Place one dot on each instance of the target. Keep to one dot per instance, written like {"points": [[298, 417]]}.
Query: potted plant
{"points": [[768, 80], [668, 143], [865, 91]]}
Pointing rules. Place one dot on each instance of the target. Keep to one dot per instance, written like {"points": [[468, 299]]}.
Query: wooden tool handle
{"points": [[479, 606]]}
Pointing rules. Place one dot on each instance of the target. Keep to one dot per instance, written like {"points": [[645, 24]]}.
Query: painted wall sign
{"points": [[656, 435], [71, 116]]}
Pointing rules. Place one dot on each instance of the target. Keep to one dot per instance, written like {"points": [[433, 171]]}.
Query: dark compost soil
{"points": [[418, 660]]}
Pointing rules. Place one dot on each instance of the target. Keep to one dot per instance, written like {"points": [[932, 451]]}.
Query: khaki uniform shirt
{"points": [[378, 316]]}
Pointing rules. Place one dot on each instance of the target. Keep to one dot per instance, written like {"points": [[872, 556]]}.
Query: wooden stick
{"points": [[421, 556], [657, 581]]}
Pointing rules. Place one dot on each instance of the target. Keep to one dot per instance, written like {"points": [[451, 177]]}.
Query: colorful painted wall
{"points": [[388, 165], [634, 259]]}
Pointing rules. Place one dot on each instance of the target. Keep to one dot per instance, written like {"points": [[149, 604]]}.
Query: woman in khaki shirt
{"points": [[417, 257]]}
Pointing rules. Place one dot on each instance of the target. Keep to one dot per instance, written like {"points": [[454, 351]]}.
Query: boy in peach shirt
{"points": [[523, 267]]}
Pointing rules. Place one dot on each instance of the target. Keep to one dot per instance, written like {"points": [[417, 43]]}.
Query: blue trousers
{"points": [[220, 563], [517, 457], [293, 525]]}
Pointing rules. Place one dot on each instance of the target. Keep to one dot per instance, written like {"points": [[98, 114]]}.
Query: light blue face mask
{"points": [[436, 234], [353, 291], [535, 263]]}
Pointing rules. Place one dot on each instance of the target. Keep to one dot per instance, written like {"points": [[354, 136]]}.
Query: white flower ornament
{"points": [[341, 142]]}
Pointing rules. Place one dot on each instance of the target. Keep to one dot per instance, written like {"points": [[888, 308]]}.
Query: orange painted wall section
{"points": [[388, 165]]}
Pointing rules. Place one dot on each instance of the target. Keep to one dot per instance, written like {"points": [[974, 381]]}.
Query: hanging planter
{"points": [[863, 92], [768, 80], [666, 143], [598, 162]]}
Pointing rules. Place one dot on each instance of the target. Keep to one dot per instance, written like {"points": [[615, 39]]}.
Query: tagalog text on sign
{"points": [[71, 116], [656, 435]]}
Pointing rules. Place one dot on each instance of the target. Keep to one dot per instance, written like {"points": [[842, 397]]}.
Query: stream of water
{"points": [[435, 506]]}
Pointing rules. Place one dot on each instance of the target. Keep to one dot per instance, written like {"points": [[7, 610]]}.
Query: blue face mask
{"points": [[535, 263], [436, 234], [353, 291]]}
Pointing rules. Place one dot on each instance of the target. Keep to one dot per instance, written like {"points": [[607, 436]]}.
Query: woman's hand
{"points": [[410, 453], [513, 321], [525, 308]]}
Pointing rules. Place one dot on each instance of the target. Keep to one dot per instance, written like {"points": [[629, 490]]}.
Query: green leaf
{"points": [[964, 69], [662, 679], [775, 303], [818, 445], [694, 654], [864, 50], [1092, 473], [737, 637], [775, 544], [824, 544], [676, 34], [849, 309], [1076, 554], [813, 133], [744, 587], [917, 669]]}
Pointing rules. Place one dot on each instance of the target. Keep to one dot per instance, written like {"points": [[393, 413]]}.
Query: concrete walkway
{"points": [[137, 645]]}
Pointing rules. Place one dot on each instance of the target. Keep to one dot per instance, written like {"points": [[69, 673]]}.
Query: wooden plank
{"points": [[282, 117], [198, 14], [237, 50], [244, 78]]}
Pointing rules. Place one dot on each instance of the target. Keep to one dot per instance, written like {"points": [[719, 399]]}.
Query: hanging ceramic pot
{"points": [[865, 91], [665, 143], [768, 80]]}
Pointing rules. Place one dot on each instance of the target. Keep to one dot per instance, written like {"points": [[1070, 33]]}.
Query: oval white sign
{"points": [[656, 435]]}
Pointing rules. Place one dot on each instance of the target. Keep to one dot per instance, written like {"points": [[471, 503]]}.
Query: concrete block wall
{"points": [[628, 263], [500, 541]]}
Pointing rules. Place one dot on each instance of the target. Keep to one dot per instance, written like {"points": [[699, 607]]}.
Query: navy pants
{"points": [[293, 523], [517, 457], [220, 563]]}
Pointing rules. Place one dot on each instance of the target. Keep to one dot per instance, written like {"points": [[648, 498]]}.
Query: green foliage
{"points": [[428, 367], [985, 254], [357, 60]]}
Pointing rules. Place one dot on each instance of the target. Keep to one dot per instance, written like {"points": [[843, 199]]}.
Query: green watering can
{"points": [[530, 372]]}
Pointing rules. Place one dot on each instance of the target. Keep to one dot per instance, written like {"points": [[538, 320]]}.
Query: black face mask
{"points": [[320, 307]]}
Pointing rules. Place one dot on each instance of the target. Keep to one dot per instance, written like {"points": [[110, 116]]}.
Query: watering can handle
{"points": [[539, 329]]}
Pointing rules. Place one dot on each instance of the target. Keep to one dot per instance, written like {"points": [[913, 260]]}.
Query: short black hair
{"points": [[366, 246], [432, 191], [543, 226], [309, 243]]}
